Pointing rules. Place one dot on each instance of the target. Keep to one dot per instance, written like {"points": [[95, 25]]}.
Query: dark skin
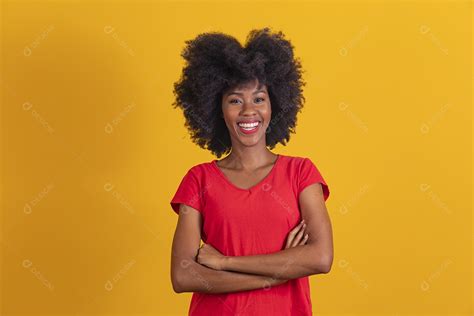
{"points": [[249, 161], [309, 245]]}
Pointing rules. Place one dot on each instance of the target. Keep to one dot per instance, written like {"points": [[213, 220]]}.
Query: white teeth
{"points": [[248, 125]]}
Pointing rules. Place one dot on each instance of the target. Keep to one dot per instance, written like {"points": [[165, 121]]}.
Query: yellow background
{"points": [[92, 150]]}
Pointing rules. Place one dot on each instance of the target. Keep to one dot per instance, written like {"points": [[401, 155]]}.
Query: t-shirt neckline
{"points": [[267, 177]]}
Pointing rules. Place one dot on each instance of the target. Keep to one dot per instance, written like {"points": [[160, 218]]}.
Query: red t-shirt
{"points": [[242, 222]]}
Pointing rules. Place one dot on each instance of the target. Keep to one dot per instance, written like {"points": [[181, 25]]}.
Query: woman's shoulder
{"points": [[201, 168], [294, 160], [296, 164]]}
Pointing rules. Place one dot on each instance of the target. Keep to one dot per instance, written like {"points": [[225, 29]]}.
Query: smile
{"points": [[249, 127]]}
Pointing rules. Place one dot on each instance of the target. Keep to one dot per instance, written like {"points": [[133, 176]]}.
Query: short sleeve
{"points": [[189, 192], [310, 174]]}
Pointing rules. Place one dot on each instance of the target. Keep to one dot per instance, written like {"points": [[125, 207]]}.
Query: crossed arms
{"points": [[195, 269]]}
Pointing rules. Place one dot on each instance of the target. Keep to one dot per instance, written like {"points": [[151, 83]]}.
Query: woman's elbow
{"points": [[176, 282], [181, 278], [321, 258], [325, 264], [177, 287]]}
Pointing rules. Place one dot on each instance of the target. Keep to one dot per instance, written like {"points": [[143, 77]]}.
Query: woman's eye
{"points": [[258, 100]]}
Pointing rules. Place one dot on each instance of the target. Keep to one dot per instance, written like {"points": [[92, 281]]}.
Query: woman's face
{"points": [[247, 113]]}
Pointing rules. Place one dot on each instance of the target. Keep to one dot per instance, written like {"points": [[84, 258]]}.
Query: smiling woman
{"points": [[217, 66], [262, 216], [252, 95]]}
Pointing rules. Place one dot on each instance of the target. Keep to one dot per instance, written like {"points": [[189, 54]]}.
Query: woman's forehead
{"points": [[253, 85]]}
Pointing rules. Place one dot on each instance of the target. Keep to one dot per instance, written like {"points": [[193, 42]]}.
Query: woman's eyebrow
{"points": [[240, 93]]}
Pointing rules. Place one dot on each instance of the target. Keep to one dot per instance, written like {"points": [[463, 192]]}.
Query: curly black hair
{"points": [[216, 62]]}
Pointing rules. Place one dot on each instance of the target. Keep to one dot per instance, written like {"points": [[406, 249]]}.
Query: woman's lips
{"points": [[249, 130]]}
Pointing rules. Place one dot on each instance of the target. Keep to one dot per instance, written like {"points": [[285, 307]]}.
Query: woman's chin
{"points": [[249, 140]]}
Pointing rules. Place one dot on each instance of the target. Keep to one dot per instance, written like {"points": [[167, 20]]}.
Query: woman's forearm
{"points": [[289, 263], [194, 277]]}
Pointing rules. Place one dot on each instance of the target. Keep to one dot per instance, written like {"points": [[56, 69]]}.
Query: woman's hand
{"points": [[297, 236], [210, 257]]}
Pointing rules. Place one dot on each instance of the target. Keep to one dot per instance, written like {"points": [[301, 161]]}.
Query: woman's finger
{"points": [[304, 240], [298, 236], [292, 234]]}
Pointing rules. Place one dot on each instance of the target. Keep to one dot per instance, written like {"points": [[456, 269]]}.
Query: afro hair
{"points": [[216, 62]]}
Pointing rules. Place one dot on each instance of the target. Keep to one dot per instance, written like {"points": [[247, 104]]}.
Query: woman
{"points": [[262, 216]]}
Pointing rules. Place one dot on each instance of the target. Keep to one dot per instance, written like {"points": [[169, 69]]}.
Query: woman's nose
{"points": [[248, 106]]}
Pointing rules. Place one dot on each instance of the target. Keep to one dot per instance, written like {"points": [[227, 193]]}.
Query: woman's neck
{"points": [[248, 158]]}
